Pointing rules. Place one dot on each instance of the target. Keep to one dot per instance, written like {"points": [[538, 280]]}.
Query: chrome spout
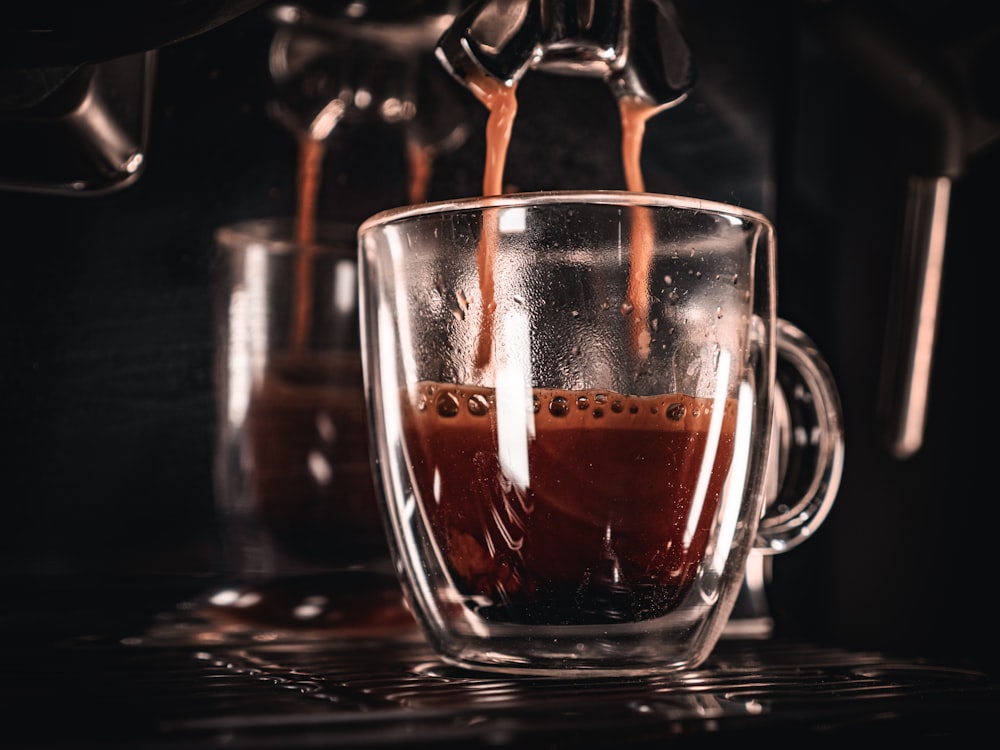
{"points": [[635, 45]]}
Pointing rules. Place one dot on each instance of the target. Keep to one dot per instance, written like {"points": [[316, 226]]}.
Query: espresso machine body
{"points": [[866, 131]]}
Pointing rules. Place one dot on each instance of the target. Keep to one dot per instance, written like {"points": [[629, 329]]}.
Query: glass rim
{"points": [[276, 234], [556, 197]]}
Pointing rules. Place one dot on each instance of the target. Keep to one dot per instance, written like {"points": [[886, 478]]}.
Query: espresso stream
{"points": [[500, 100]]}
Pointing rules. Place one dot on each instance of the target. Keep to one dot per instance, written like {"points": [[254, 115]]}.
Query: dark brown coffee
{"points": [[612, 522], [308, 442]]}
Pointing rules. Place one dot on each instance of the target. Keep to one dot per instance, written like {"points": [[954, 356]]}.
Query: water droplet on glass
{"points": [[326, 427], [668, 280], [575, 313], [447, 405], [559, 406], [601, 398], [617, 406], [582, 402], [626, 308], [598, 413], [718, 312], [536, 405]]}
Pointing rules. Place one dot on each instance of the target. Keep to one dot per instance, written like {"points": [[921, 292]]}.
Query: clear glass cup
{"points": [[303, 536], [572, 398]]}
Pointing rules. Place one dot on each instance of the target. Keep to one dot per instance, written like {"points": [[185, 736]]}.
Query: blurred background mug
{"points": [[303, 537], [572, 398]]}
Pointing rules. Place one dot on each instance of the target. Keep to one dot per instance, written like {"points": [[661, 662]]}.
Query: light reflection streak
{"points": [[711, 446], [736, 481]]}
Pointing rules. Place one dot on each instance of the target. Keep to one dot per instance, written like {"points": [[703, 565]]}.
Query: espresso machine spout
{"points": [[635, 45]]}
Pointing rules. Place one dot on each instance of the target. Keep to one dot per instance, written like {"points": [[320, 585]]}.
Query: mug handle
{"points": [[806, 455]]}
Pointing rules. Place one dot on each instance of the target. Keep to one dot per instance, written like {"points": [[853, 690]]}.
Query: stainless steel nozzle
{"points": [[634, 45]]}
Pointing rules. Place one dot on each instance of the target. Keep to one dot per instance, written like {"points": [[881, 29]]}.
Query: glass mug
{"points": [[303, 537], [571, 398]]}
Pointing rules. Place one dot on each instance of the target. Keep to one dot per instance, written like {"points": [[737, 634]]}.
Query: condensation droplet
{"points": [[559, 406], [668, 280], [598, 413], [674, 297], [536, 404], [479, 405], [447, 405], [626, 308], [575, 313], [718, 312], [633, 409], [326, 427], [617, 406], [736, 279], [676, 412], [582, 402], [601, 398]]}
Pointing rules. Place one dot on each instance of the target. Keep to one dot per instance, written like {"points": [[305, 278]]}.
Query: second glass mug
{"points": [[572, 402]]}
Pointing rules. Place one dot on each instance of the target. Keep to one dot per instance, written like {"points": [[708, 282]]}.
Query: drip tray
{"points": [[185, 681]]}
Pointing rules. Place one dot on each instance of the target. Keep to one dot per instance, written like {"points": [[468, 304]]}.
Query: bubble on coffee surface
{"points": [[478, 405], [446, 404], [559, 406], [451, 402], [676, 412]]}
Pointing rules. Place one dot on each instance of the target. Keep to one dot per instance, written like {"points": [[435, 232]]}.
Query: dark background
{"points": [[106, 330]]}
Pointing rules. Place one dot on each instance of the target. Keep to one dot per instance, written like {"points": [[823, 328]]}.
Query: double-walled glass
{"points": [[571, 396]]}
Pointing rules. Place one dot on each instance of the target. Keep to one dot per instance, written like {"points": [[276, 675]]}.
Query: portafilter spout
{"points": [[635, 45]]}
